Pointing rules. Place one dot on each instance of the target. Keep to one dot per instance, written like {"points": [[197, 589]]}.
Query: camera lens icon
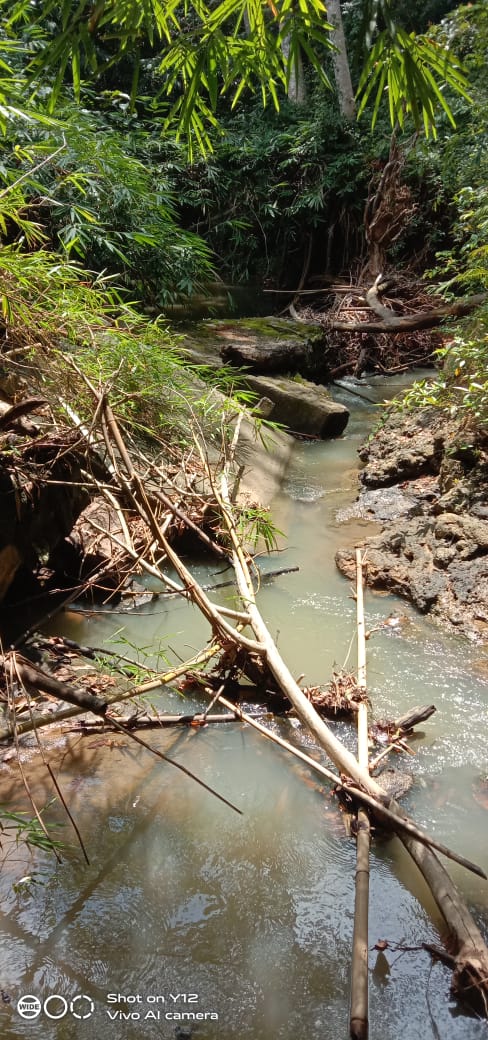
{"points": [[29, 1006]]}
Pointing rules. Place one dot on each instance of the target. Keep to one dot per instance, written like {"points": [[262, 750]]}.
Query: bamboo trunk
{"points": [[359, 1015]]}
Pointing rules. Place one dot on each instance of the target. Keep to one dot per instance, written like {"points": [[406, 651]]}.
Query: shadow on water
{"points": [[187, 909]]}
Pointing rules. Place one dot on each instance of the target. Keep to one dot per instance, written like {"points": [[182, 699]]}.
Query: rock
{"points": [[262, 457], [404, 447], [469, 584], [468, 529], [389, 503], [395, 782], [271, 345], [434, 549], [262, 453], [302, 407]]}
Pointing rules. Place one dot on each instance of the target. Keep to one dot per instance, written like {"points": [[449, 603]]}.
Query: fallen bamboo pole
{"points": [[471, 950], [197, 718], [359, 1013]]}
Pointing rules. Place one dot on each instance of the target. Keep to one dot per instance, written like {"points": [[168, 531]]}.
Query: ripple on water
{"points": [[301, 491]]}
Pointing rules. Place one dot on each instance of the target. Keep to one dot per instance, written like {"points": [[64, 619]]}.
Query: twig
{"points": [[165, 758]]}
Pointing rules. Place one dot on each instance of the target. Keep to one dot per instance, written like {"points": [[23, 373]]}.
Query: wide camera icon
{"points": [[29, 1006]]}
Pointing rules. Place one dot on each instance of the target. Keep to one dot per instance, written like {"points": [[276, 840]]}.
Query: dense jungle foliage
{"points": [[140, 168]]}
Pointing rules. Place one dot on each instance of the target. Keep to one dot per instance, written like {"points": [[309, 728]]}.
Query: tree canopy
{"points": [[205, 50]]}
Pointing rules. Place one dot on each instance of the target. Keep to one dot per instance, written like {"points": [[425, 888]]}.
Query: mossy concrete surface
{"points": [[261, 344]]}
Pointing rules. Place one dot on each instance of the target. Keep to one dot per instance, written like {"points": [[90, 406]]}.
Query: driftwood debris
{"points": [[393, 323], [413, 717]]}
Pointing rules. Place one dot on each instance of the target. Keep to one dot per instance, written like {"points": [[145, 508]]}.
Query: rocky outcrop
{"points": [[434, 546], [405, 448]]}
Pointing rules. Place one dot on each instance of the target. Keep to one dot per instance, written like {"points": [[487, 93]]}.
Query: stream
{"points": [[193, 921]]}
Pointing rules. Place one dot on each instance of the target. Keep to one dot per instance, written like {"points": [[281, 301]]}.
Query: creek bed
{"points": [[249, 918]]}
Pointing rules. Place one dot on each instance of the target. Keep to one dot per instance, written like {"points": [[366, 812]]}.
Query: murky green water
{"points": [[188, 909]]}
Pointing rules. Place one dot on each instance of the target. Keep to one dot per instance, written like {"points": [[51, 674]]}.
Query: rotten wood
{"points": [[414, 717]]}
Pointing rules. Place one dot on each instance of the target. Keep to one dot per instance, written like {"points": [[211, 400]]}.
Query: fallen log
{"points": [[35, 679], [414, 717]]}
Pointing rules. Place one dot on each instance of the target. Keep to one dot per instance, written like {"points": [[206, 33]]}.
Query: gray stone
{"points": [[301, 407]]}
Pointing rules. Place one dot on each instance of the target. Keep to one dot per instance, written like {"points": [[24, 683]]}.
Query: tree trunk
{"points": [[340, 62], [297, 88]]}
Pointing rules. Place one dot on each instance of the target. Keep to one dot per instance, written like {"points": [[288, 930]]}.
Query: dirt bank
{"points": [[426, 480]]}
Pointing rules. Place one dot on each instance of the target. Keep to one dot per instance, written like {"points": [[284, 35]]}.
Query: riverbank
{"points": [[425, 479]]}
